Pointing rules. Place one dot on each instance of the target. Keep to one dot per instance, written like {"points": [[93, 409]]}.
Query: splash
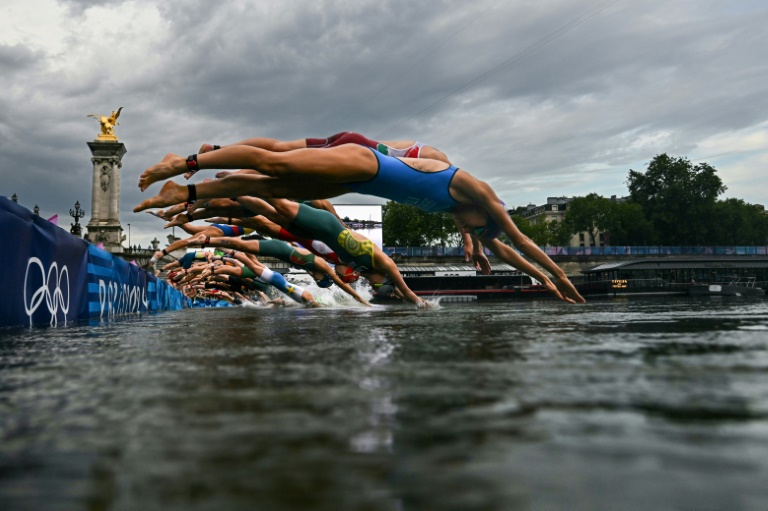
{"points": [[330, 297]]}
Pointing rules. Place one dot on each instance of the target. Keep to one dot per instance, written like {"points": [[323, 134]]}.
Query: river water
{"points": [[647, 404]]}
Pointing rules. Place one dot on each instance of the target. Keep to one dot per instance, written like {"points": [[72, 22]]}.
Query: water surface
{"points": [[616, 404]]}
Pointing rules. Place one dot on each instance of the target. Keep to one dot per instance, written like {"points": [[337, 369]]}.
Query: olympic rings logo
{"points": [[53, 300]]}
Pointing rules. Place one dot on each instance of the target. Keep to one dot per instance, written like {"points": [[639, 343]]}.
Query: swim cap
{"points": [[326, 281], [384, 290], [492, 230], [349, 276]]}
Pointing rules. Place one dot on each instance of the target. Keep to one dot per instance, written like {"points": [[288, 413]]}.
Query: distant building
{"points": [[554, 211]]}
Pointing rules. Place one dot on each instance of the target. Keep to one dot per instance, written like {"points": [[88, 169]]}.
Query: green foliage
{"points": [[559, 234], [408, 226], [543, 233], [738, 223], [592, 214], [678, 198], [629, 226]]}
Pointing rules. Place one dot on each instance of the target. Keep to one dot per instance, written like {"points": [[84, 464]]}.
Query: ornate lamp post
{"points": [[15, 198], [129, 238], [36, 210], [77, 213]]}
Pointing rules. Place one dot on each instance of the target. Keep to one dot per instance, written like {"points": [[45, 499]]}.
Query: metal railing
{"points": [[629, 251]]}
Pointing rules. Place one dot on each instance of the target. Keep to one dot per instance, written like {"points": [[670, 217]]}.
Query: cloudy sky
{"points": [[538, 97]]}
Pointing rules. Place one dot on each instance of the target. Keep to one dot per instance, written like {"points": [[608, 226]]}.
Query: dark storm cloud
{"points": [[16, 57], [538, 98]]}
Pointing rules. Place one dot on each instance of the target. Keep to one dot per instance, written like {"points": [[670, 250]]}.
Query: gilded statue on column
{"points": [[108, 124]]}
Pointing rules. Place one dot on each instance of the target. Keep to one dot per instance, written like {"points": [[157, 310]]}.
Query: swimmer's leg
{"points": [[297, 293]]}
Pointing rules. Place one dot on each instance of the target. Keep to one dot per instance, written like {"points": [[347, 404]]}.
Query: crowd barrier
{"points": [[51, 277]]}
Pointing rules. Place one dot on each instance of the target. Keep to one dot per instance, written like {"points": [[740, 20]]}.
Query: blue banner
{"points": [[52, 277]]}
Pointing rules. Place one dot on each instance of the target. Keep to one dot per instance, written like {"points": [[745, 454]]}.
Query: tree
{"points": [[628, 225], [677, 198], [558, 234], [402, 225], [739, 223], [444, 231], [544, 233], [408, 226], [592, 214]]}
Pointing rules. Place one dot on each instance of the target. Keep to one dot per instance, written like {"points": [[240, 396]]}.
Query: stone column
{"points": [[104, 226]]}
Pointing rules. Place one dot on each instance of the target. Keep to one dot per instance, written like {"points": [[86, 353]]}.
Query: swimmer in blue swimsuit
{"points": [[398, 148], [330, 172]]}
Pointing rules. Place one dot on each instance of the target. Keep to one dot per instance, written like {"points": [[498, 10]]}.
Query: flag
{"points": [[54, 219]]}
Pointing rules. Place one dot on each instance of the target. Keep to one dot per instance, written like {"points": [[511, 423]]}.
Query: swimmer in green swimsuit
{"points": [[353, 248]]}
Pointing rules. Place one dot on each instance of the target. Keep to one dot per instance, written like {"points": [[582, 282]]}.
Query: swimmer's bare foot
{"points": [[205, 148], [197, 241], [224, 173], [180, 219], [170, 194], [158, 213], [171, 165], [169, 213]]}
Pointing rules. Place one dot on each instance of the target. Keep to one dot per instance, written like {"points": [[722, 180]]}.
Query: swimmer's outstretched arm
{"points": [[478, 256], [565, 289], [482, 194], [386, 266], [509, 256], [323, 266]]}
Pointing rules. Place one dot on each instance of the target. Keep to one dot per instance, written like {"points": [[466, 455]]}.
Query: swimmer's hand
{"points": [[481, 262], [568, 291]]}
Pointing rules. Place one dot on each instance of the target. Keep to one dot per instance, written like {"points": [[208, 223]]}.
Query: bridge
{"points": [[575, 259]]}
